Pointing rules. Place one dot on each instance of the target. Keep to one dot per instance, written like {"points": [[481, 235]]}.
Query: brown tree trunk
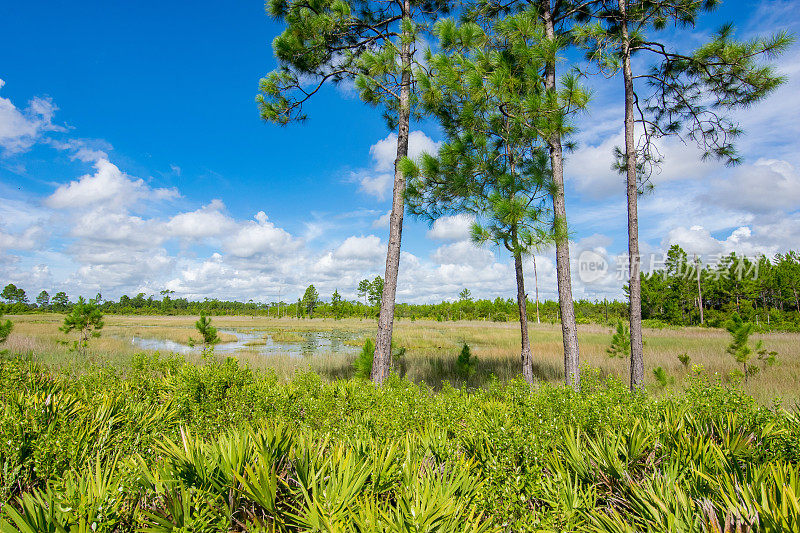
{"points": [[383, 344], [699, 291], [635, 282], [525, 355], [569, 328], [536, 284]]}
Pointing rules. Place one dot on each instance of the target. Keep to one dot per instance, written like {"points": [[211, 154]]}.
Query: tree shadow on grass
{"points": [[435, 371]]}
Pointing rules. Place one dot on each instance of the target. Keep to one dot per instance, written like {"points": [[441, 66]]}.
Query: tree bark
{"points": [[569, 328], [383, 344], [699, 291], [536, 283], [635, 282], [525, 353]]}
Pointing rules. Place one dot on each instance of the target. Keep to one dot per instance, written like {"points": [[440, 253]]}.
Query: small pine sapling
{"points": [[620, 342], [465, 365], [767, 358], [85, 318], [685, 360], [662, 378], [740, 347], [207, 331], [363, 363]]}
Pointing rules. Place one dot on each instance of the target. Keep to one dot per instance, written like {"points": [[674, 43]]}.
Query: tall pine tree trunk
{"points": [[569, 328], [536, 284], [383, 344], [522, 302], [699, 291], [635, 282]]}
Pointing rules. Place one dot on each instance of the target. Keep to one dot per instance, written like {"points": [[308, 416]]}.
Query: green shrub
{"points": [[363, 363], [465, 365], [217, 447], [620, 342]]}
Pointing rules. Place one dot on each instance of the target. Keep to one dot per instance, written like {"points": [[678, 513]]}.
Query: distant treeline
{"points": [[761, 290], [499, 309], [688, 291]]}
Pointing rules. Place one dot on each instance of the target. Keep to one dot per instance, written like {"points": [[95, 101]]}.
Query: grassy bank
{"points": [[431, 349]]}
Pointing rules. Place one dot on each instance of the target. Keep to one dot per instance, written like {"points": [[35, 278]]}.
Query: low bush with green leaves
{"points": [[168, 445]]}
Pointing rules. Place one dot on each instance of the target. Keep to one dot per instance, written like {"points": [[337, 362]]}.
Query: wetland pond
{"points": [[303, 343]]}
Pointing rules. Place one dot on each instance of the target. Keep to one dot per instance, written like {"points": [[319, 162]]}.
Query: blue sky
{"points": [[132, 159]]}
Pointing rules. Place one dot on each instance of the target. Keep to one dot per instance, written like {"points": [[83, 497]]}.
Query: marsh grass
{"points": [[283, 335], [432, 349]]}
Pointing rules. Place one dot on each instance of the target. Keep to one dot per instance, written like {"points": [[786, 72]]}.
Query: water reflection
{"points": [[312, 343]]}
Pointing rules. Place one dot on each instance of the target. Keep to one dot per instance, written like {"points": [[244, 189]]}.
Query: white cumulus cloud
{"points": [[22, 128], [378, 181], [452, 228], [108, 186]]}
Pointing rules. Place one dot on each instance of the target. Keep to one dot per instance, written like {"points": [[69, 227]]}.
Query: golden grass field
{"points": [[431, 348]]}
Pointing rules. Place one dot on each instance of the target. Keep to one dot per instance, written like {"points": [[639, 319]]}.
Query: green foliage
{"points": [[662, 378], [740, 348], [169, 444], [685, 360], [310, 300], [761, 290], [375, 291], [620, 342], [60, 301], [363, 363], [363, 289], [487, 89], [207, 331], [14, 294], [683, 93], [466, 363], [5, 329], [336, 304], [87, 319], [43, 300], [336, 40], [767, 358]]}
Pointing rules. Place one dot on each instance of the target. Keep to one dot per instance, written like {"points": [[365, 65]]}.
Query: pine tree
{"points": [[14, 294], [60, 301], [679, 94], [336, 304], [43, 300], [374, 45], [485, 89], [376, 288], [558, 18], [740, 347], [207, 331], [85, 318], [620, 342], [363, 291], [363, 362], [466, 364], [310, 300]]}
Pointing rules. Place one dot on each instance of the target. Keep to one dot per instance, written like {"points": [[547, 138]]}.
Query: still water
{"points": [[314, 342]]}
